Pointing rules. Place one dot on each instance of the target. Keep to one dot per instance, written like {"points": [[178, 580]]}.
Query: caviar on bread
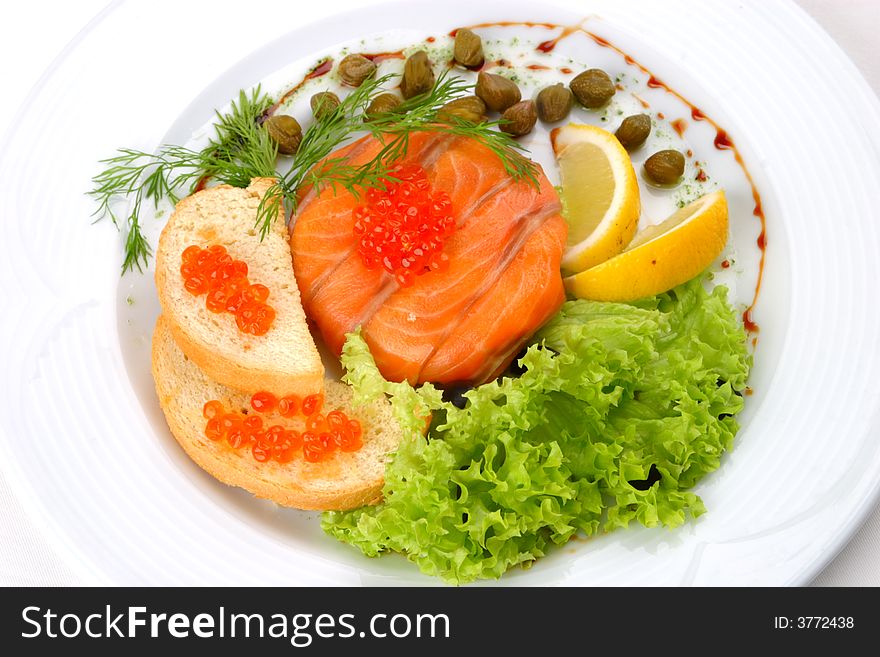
{"points": [[230, 299], [324, 455]]}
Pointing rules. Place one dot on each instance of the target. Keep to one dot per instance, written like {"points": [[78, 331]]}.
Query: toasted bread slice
{"points": [[345, 481], [282, 361]]}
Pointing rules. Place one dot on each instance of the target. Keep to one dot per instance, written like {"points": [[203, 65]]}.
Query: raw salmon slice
{"points": [[459, 326]]}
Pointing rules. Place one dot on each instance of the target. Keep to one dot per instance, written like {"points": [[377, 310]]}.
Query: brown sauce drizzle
{"points": [[549, 26], [679, 125], [654, 83], [503, 63], [321, 68], [379, 57], [722, 139], [641, 100], [722, 142]]}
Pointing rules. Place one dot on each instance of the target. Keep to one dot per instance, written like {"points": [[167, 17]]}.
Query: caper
{"points": [[354, 69], [466, 108], [323, 103], [381, 104], [468, 48], [418, 76], [634, 130], [665, 167], [519, 119], [554, 103], [592, 88], [285, 131], [496, 91]]}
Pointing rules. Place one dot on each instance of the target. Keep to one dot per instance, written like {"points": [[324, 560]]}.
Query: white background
{"points": [[33, 34]]}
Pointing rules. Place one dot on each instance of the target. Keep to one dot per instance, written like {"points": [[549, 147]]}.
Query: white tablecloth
{"points": [[33, 33]]}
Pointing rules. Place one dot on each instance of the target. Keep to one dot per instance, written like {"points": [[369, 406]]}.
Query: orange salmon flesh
{"points": [[459, 326]]}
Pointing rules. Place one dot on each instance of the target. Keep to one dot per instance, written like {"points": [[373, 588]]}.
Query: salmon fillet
{"points": [[459, 326]]}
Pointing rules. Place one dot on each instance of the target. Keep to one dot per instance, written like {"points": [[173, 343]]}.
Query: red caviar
{"points": [[324, 434], [313, 451], [215, 273], [315, 422], [404, 225], [212, 409], [312, 404], [213, 430], [237, 437], [230, 421], [288, 406], [264, 402]]}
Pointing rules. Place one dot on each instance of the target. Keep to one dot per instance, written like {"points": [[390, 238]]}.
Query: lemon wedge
{"points": [[660, 257], [600, 193]]}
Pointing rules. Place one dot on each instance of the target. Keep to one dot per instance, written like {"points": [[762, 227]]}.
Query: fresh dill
{"points": [[417, 114], [239, 151], [242, 150]]}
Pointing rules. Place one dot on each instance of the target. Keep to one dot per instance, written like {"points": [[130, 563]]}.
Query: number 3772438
{"points": [[813, 622]]}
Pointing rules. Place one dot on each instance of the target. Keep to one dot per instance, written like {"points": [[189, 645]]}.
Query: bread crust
{"points": [[228, 471], [244, 378]]}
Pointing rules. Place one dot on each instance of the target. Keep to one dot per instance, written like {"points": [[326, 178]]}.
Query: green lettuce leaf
{"points": [[620, 411]]}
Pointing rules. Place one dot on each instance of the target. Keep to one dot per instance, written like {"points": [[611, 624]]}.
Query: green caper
{"points": [[554, 103], [418, 76], [634, 130], [323, 103], [592, 88], [354, 69], [466, 108], [468, 48], [665, 167], [381, 104], [519, 119], [496, 91], [285, 131]]}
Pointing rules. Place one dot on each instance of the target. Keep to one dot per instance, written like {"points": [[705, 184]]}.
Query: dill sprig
{"points": [[239, 151], [417, 114]]}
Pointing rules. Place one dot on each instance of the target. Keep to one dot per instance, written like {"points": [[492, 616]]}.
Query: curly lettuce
{"points": [[620, 411]]}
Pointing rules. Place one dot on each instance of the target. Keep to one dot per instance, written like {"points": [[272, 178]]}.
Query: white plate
{"points": [[85, 443]]}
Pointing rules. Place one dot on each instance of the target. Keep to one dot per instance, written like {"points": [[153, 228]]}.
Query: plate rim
{"points": [[58, 539]]}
